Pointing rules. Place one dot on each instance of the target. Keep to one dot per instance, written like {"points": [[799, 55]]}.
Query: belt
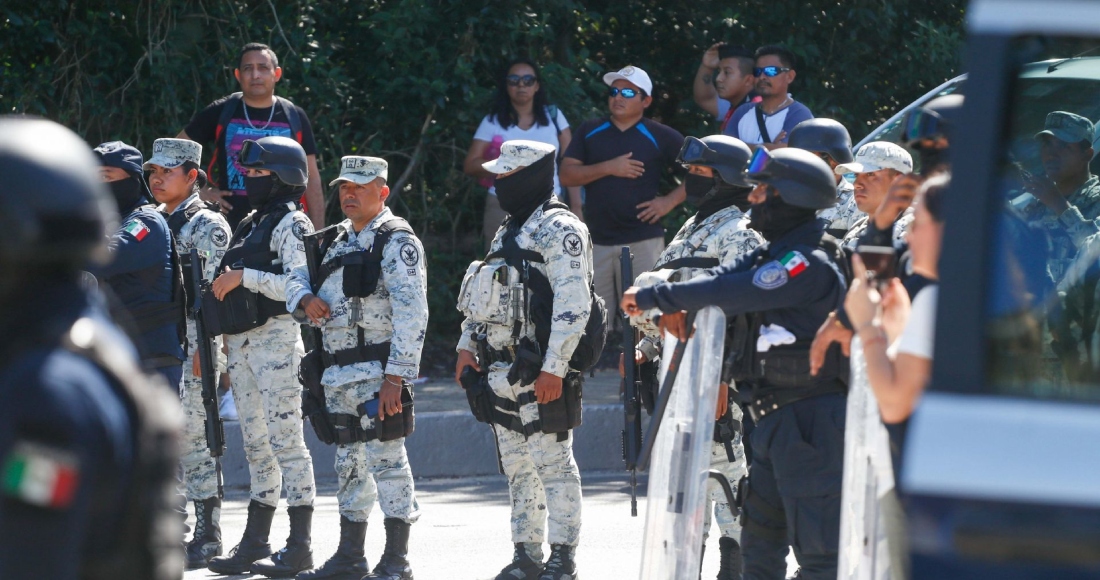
{"points": [[357, 354], [766, 401], [504, 355]]}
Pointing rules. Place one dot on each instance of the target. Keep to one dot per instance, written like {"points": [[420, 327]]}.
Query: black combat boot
{"points": [[560, 565], [297, 555], [207, 541], [526, 563], [348, 563], [394, 564], [253, 545], [730, 566]]}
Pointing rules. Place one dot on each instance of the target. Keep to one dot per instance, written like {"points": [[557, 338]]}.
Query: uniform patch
{"points": [[409, 254], [137, 229], [40, 475], [574, 264], [299, 229], [795, 263], [219, 238], [770, 276], [572, 244]]}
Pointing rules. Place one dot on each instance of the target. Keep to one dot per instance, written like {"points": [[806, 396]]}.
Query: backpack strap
{"points": [[228, 107], [381, 237], [761, 124], [292, 117]]}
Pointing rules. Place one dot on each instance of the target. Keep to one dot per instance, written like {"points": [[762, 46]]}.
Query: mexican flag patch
{"points": [[795, 263], [137, 229], [40, 476]]}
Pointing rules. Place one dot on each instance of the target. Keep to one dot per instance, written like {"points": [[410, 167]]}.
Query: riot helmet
{"points": [[55, 210], [822, 136], [932, 120], [801, 178], [285, 159], [727, 156]]}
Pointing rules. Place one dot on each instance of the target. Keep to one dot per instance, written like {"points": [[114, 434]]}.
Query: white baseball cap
{"points": [[878, 155], [518, 153], [631, 74], [361, 170]]}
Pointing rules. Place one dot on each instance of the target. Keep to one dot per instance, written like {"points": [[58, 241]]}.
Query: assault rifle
{"points": [[632, 429], [204, 350]]}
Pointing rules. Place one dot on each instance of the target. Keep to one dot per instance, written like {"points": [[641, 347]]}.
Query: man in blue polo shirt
{"points": [[768, 122], [619, 159]]}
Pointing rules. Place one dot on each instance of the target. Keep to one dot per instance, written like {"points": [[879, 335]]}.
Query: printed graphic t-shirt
{"points": [[203, 128]]}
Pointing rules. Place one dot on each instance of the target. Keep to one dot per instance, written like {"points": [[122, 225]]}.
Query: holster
{"points": [[239, 312], [565, 412], [527, 365], [477, 390], [395, 426], [313, 397]]}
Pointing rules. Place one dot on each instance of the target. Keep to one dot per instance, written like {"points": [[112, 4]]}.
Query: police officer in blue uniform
{"points": [[787, 287], [85, 475], [142, 272]]}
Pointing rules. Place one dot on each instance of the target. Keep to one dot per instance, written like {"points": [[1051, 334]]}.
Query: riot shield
{"points": [[867, 485], [681, 455]]}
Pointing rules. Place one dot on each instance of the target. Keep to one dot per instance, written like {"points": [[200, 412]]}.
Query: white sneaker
{"points": [[227, 408]]}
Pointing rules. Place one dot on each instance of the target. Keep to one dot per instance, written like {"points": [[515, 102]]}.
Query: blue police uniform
{"points": [[66, 449], [141, 275], [798, 444]]}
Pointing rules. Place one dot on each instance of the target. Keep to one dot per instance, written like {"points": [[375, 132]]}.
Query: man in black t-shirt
{"points": [[256, 113], [619, 159]]}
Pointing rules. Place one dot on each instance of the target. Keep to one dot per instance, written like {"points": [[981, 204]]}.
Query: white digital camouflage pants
{"points": [[263, 365], [543, 479], [199, 478], [728, 523], [371, 470]]}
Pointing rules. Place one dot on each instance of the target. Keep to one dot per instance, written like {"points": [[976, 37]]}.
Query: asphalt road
{"points": [[463, 530]]}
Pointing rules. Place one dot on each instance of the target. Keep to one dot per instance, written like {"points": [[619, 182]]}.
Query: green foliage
{"points": [[409, 80]]}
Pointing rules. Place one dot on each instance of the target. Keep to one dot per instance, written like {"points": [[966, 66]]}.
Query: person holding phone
{"points": [[370, 300]]}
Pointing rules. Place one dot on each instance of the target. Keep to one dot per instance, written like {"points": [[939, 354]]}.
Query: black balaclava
{"points": [[775, 217], [522, 192], [711, 194], [268, 190], [128, 193], [931, 158]]}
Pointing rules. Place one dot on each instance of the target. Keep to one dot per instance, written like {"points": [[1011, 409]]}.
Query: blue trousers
{"points": [[794, 490], [173, 374]]}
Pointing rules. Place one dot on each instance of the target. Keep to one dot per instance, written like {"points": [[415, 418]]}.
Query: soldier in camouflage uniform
{"points": [[263, 359], [393, 315], [175, 179], [876, 165], [543, 479], [717, 235], [830, 141]]}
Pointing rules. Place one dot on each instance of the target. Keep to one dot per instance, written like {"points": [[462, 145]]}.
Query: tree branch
{"points": [[417, 154]]}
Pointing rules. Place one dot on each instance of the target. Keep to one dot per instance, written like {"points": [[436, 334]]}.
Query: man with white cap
{"points": [[369, 296], [175, 179], [526, 335], [876, 165], [620, 159]]}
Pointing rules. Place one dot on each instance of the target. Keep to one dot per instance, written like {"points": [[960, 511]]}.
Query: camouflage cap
{"points": [[878, 155], [516, 154], [1067, 127], [361, 170], [171, 153]]}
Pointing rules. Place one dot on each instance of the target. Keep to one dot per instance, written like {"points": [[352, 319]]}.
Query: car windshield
{"points": [[1042, 300]]}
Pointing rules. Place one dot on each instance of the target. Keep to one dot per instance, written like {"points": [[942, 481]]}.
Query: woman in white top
{"points": [[897, 337], [520, 111]]}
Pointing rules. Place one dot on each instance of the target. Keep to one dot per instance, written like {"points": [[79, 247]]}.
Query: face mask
{"points": [[127, 193], [259, 190], [931, 158], [523, 191], [698, 187], [774, 217]]}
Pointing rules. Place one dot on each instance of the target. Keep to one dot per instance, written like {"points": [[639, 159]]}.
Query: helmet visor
{"points": [[695, 152], [761, 159], [251, 154], [923, 123]]}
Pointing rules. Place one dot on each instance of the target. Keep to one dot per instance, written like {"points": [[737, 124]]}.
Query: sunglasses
{"points": [[626, 93], [525, 80], [769, 71]]}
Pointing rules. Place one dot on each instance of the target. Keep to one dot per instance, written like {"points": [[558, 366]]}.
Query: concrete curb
{"points": [[453, 444]]}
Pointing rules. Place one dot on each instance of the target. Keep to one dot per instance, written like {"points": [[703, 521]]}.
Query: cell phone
{"points": [[881, 261], [370, 408]]}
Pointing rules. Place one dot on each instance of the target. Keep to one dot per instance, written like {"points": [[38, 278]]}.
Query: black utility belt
{"points": [[379, 352], [767, 400], [505, 355], [348, 428], [556, 417]]}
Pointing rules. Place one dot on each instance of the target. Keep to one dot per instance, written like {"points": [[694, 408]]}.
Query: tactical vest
{"points": [[176, 221], [242, 309]]}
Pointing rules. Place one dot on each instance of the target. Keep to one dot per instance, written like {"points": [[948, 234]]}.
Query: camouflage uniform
{"points": [[542, 474], [725, 235], [901, 226], [208, 232], [845, 214], [397, 312], [263, 365]]}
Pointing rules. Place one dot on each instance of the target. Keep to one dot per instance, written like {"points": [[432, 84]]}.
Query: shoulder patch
{"points": [[218, 237], [136, 228], [572, 244], [40, 475], [770, 276], [409, 254], [299, 229], [794, 263]]}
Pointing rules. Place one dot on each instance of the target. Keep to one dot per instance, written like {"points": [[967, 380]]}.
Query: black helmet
{"points": [[280, 155], [932, 120], [822, 136], [728, 156], [802, 178], [54, 207]]}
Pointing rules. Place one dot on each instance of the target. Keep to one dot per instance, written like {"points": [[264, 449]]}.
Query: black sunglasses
{"points": [[525, 80], [769, 71], [626, 93]]}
